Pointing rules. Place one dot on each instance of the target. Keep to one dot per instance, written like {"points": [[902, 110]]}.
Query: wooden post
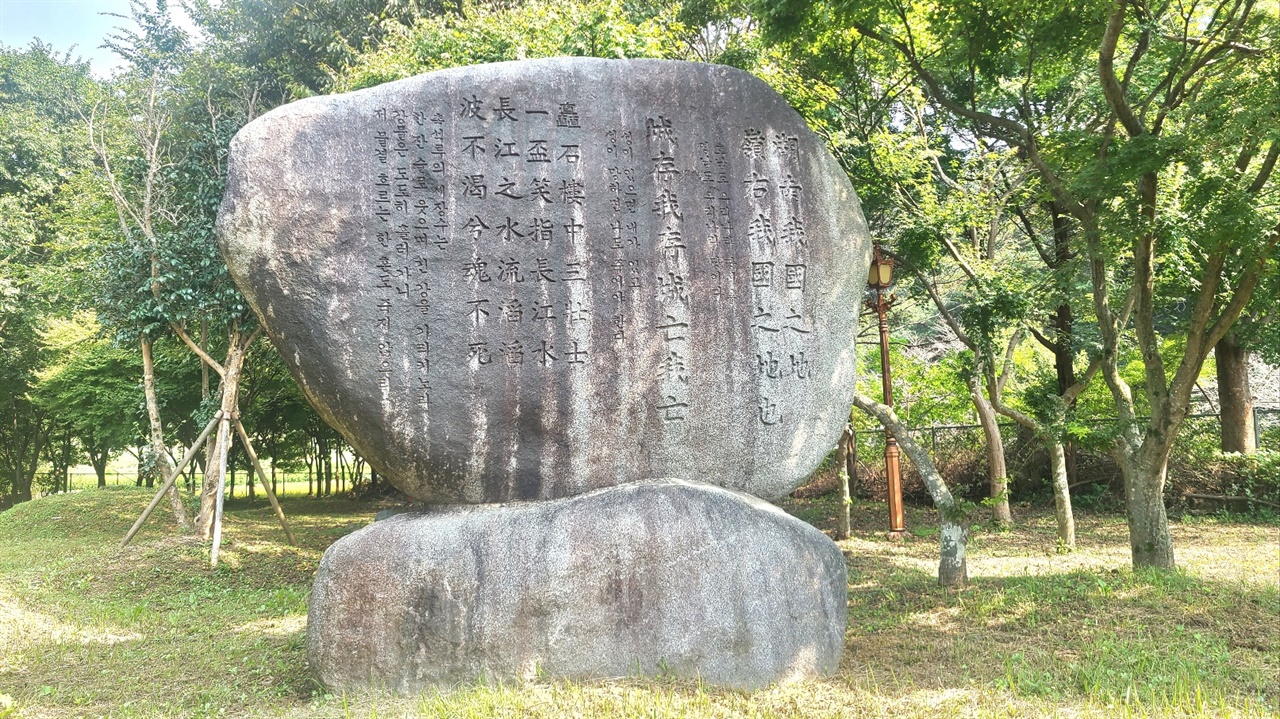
{"points": [[266, 485], [881, 278], [168, 482], [224, 436], [842, 472], [892, 466]]}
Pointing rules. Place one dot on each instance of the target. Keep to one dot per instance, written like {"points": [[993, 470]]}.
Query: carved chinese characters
{"points": [[529, 280]]}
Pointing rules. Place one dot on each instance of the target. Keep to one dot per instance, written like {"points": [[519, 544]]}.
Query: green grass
{"points": [[151, 631]]}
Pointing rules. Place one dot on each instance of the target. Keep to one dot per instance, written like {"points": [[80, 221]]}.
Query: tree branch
{"points": [[1111, 88], [1074, 391], [1017, 134], [933, 481], [1264, 172], [932, 290], [1048, 344], [1243, 293], [204, 356], [1109, 328], [1031, 235], [1007, 369]]}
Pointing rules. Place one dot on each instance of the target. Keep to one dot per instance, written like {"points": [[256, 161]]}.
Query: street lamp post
{"points": [[880, 278]]}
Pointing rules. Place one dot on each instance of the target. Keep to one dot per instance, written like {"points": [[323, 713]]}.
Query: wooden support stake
{"points": [[224, 436], [186, 459], [266, 483]]}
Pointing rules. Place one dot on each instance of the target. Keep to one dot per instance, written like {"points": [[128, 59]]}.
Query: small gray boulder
{"points": [[657, 577]]}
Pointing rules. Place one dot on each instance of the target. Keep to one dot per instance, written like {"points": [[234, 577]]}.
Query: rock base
{"points": [[659, 577]]}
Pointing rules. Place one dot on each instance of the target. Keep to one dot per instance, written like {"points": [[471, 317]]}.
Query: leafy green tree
{"points": [[288, 49], [161, 144], [496, 32], [40, 147], [25, 425], [161, 140], [1151, 126], [958, 240], [92, 389]]}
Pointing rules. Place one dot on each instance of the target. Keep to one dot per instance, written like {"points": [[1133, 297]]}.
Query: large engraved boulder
{"points": [[658, 577], [530, 280]]}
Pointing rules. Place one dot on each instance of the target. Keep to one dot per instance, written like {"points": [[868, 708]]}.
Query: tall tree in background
{"points": [[1151, 127], [950, 209], [40, 148], [875, 122], [93, 388], [179, 109], [297, 49], [128, 127], [495, 32], [179, 106], [1235, 396]]}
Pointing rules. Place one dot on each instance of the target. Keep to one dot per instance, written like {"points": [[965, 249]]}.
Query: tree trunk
{"points": [[953, 571], [98, 460], [66, 461], [209, 492], [249, 481], [157, 435], [22, 488], [997, 472], [1061, 495], [851, 463], [328, 469], [953, 568], [210, 459], [842, 514], [1234, 398], [1144, 503], [1063, 319], [209, 444]]}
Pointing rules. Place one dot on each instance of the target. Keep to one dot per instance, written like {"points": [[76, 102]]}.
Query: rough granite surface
{"points": [[531, 280], [657, 577]]}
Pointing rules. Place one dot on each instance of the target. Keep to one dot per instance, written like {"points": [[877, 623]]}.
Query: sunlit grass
{"points": [[151, 631]]}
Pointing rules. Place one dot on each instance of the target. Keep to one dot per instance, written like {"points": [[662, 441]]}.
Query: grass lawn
{"points": [[151, 631]]}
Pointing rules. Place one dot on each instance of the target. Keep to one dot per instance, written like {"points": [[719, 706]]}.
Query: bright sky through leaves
{"points": [[67, 23]]}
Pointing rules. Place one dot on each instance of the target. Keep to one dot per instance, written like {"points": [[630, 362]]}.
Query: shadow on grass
{"points": [[1104, 635]]}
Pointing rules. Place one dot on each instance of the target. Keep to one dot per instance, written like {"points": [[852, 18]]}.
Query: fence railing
{"points": [[958, 450], [1266, 427], [291, 484]]}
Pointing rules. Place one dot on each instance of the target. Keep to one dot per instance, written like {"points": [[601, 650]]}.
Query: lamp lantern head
{"points": [[881, 272]]}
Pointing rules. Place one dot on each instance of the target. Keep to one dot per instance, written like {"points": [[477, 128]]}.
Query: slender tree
{"points": [[1150, 126]]}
